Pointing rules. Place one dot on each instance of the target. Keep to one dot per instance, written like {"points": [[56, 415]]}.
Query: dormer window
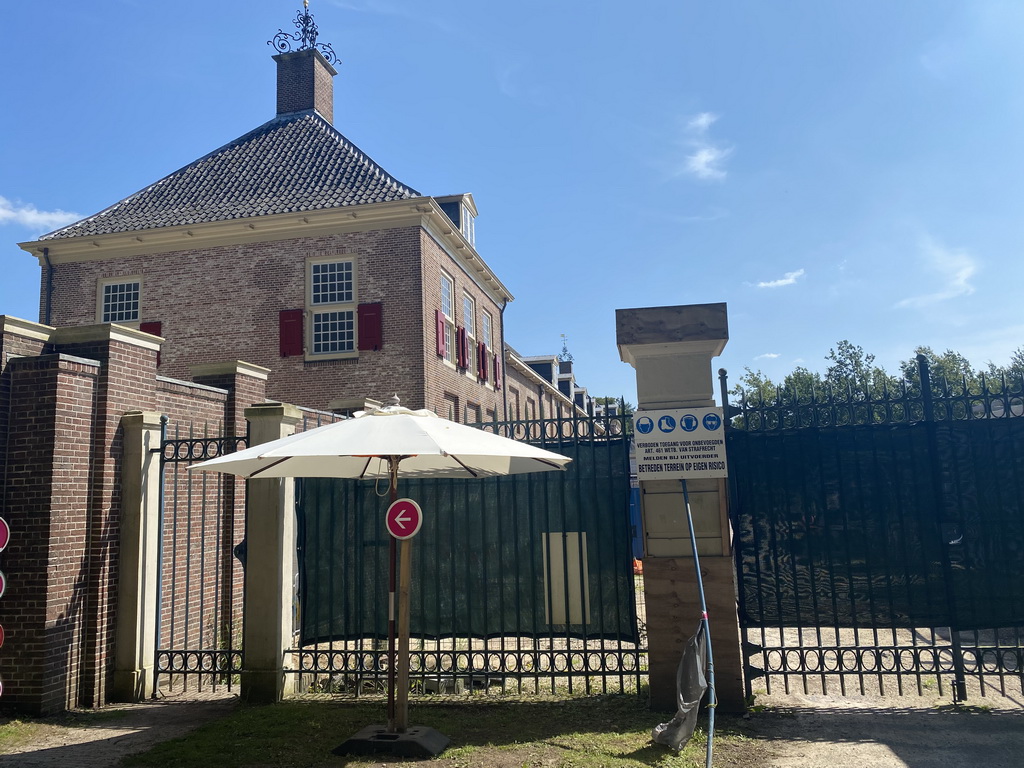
{"points": [[467, 224], [462, 211]]}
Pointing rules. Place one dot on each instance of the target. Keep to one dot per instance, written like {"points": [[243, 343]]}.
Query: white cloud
{"points": [[701, 122], [788, 279], [705, 163], [954, 269], [704, 157], [768, 356], [27, 215]]}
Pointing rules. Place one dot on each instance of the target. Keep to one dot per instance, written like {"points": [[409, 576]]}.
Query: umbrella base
{"points": [[417, 741]]}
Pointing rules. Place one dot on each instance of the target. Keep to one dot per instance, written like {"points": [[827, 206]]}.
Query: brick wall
{"points": [[224, 302], [61, 495], [52, 402], [445, 388]]}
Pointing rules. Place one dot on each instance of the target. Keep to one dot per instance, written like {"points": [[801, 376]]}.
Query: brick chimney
{"points": [[304, 82]]}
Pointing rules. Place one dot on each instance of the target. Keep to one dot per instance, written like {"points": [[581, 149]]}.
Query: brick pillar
{"points": [[246, 385], [671, 349], [270, 563], [127, 382], [50, 401], [137, 595]]}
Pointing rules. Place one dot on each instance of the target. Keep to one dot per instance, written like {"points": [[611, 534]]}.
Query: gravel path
{"points": [[820, 731], [102, 739]]}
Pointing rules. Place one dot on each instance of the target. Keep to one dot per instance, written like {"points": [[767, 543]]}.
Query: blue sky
{"points": [[831, 170]]}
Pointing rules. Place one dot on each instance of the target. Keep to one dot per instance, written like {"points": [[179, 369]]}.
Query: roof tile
{"points": [[299, 162]]}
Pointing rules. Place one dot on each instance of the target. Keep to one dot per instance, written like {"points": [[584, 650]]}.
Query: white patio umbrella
{"points": [[390, 442]]}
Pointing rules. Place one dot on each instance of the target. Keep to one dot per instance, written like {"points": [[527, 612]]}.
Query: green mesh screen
{"points": [[527, 555]]}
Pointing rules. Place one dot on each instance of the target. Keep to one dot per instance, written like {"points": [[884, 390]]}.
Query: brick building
{"points": [[291, 249], [288, 249]]}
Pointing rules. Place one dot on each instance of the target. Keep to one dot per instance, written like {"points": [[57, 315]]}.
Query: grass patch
{"points": [[598, 732], [17, 732]]}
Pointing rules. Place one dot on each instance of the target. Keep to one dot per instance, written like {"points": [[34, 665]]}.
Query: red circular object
{"points": [[1, 636], [5, 534], [404, 519], [3, 583]]}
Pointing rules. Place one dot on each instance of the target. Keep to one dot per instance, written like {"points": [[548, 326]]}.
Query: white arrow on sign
{"points": [[404, 518]]}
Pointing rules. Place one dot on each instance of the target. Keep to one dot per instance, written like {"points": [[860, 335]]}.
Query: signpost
{"points": [[679, 443]]}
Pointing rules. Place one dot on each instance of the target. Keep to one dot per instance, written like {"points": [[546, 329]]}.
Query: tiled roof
{"points": [[295, 163]]}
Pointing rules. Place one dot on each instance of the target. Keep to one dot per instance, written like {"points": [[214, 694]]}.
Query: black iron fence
{"points": [[199, 620], [519, 583], [879, 534]]}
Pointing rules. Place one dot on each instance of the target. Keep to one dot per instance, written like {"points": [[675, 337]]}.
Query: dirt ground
{"points": [[786, 731]]}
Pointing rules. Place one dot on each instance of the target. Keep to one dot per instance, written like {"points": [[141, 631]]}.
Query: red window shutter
{"points": [[156, 328], [497, 373], [481, 356], [371, 326], [461, 348], [290, 331], [439, 322]]}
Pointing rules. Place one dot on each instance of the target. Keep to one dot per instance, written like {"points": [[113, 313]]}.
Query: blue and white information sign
{"points": [[681, 443]]}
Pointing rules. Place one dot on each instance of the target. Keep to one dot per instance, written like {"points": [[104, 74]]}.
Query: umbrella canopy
{"points": [[360, 447]]}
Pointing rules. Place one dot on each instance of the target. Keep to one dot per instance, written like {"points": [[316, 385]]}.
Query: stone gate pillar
{"points": [[137, 595], [269, 564], [671, 349]]}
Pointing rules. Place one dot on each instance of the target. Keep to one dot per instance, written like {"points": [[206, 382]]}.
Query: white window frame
{"points": [[469, 323], [448, 310], [102, 314], [334, 308], [486, 328], [468, 222]]}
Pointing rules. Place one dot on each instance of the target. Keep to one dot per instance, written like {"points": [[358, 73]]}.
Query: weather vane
{"points": [[305, 37], [566, 355]]}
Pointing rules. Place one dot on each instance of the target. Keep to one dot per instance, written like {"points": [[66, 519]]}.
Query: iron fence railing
{"points": [[520, 584], [879, 533], [199, 571]]}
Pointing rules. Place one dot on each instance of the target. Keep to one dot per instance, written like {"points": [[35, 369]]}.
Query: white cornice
{"points": [[25, 328], [417, 211], [230, 368], [253, 229], [78, 334], [441, 228]]}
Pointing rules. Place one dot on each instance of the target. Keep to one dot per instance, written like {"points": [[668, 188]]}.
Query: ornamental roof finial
{"points": [[305, 37]]}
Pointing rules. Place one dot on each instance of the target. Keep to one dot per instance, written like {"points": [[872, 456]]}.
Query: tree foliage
{"points": [[851, 372]]}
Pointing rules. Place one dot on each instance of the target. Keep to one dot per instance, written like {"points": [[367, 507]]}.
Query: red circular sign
{"points": [[3, 583], [1, 636], [5, 534], [404, 519]]}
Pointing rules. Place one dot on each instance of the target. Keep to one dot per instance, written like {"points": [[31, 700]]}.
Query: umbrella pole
{"points": [[392, 568], [404, 580]]}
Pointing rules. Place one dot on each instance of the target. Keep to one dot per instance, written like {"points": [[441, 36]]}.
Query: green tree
{"points": [[950, 367]]}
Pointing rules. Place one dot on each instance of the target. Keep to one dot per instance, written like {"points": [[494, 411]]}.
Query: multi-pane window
{"points": [[485, 329], [332, 282], [469, 323], [448, 310], [333, 332], [469, 315], [119, 302], [468, 226], [333, 313]]}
